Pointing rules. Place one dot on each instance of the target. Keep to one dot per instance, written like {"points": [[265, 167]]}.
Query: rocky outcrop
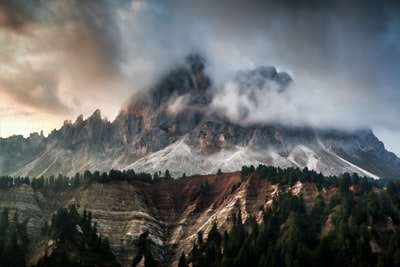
{"points": [[363, 149], [35, 206]]}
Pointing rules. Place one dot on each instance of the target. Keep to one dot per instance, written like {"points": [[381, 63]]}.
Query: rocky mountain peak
{"points": [[188, 86], [196, 62], [175, 125], [264, 78], [79, 119], [96, 115], [188, 79]]}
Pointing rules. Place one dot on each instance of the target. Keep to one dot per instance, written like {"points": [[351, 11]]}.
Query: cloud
{"points": [[342, 56], [60, 56], [178, 104], [33, 90], [72, 57], [17, 15]]}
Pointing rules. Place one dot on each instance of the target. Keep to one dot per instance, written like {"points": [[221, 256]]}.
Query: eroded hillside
{"points": [[174, 211]]}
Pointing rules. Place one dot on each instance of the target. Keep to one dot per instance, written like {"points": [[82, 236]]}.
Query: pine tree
{"points": [[182, 261]]}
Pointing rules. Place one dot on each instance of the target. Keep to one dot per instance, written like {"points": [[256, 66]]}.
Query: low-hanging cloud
{"points": [[72, 57], [342, 56]]}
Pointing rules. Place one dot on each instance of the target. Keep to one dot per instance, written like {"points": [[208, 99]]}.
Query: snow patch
{"points": [[304, 156]]}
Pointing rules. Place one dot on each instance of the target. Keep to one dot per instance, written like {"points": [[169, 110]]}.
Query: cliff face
{"points": [[173, 211]]}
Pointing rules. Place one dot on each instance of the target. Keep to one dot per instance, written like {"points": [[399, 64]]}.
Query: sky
{"points": [[60, 58]]}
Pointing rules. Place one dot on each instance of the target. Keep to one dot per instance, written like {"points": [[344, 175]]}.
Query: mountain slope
{"points": [[176, 125]]}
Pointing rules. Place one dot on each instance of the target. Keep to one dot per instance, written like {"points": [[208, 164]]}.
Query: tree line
{"points": [[290, 176], [61, 182], [275, 175]]}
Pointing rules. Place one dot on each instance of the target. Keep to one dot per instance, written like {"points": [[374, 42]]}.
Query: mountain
{"points": [[176, 125]]}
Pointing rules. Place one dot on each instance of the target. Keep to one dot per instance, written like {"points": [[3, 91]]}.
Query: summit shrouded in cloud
{"points": [[63, 58]]}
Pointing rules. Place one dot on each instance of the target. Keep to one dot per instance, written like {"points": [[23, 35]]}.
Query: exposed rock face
{"points": [[169, 210], [264, 79], [17, 151], [28, 203], [173, 126], [363, 149], [35, 206]]}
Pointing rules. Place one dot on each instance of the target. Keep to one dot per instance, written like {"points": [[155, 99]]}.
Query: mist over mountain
{"points": [[189, 124], [61, 59]]}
